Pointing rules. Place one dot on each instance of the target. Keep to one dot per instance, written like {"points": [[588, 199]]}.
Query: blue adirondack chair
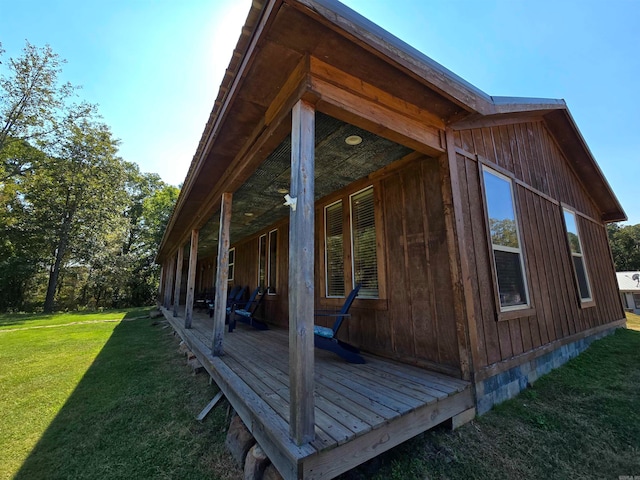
{"points": [[233, 296], [246, 313], [326, 338]]}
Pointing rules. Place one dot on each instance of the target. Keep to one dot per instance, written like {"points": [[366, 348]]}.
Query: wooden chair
{"points": [[326, 338], [233, 296], [246, 314]]}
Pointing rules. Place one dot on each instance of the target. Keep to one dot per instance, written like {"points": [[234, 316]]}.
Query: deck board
{"points": [[369, 407]]}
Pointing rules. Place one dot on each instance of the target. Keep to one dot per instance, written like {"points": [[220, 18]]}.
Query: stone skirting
{"points": [[507, 384]]}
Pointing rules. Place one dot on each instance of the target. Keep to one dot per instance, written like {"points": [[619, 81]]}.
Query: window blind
{"points": [[363, 235], [334, 253]]}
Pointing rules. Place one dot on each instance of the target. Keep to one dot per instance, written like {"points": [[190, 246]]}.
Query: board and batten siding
{"points": [[543, 183], [414, 319]]}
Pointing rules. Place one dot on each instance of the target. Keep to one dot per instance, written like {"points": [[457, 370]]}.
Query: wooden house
{"points": [[629, 286], [474, 224]]}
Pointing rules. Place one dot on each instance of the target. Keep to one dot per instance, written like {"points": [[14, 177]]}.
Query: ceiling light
{"points": [[353, 140]]}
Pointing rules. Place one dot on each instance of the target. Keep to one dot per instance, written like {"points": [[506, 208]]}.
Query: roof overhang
{"points": [[284, 47]]}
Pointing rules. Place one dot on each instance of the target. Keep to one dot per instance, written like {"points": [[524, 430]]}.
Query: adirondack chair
{"points": [[326, 338], [234, 295], [246, 313]]}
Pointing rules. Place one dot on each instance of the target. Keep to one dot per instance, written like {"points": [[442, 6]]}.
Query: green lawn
{"points": [[103, 396], [633, 321], [107, 396]]}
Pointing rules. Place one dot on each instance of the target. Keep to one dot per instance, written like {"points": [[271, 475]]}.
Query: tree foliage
{"points": [[79, 226], [625, 246]]}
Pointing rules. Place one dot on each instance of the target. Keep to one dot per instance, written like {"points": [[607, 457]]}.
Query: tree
{"points": [[156, 211], [76, 221], [625, 246], [76, 196], [32, 104]]}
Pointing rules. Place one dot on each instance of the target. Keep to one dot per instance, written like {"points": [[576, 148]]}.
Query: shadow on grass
{"points": [[132, 416]]}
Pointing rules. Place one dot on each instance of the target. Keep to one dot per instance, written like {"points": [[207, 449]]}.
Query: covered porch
{"points": [[360, 410]]}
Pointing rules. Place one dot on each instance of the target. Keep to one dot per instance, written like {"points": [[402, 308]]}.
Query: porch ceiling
{"points": [[336, 166]]}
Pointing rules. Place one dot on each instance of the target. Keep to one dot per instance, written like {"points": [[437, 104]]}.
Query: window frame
{"points": [[584, 301], [232, 265], [381, 302], [262, 287], [271, 289], [636, 300], [507, 312]]}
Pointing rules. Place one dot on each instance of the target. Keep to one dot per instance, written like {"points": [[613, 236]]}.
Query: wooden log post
{"points": [[301, 274], [160, 296], [169, 284], [176, 290], [191, 279], [222, 275]]}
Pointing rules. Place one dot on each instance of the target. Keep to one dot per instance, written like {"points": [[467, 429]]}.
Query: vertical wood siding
{"points": [[529, 152], [414, 320]]}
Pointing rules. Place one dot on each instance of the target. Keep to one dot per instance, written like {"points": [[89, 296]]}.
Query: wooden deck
{"points": [[360, 410]]}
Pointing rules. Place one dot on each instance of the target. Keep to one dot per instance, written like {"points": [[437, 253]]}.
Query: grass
{"points": [[633, 321], [102, 397], [98, 396]]}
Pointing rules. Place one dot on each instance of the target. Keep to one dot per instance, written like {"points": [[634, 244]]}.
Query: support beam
{"points": [[191, 279], [176, 290], [461, 273], [160, 296], [222, 275], [169, 283], [301, 274]]}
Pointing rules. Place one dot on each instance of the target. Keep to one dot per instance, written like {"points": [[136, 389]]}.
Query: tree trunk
{"points": [[54, 272]]}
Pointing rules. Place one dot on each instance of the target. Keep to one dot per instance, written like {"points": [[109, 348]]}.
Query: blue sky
{"points": [[154, 67]]}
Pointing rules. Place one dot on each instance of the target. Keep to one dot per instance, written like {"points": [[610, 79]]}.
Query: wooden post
{"points": [[460, 270], [301, 279], [169, 284], [222, 275], [191, 279], [160, 296], [176, 291]]}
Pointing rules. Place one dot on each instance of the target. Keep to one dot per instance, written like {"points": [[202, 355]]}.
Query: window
{"points": [[334, 253], [262, 262], [575, 247], [273, 262], [360, 245], [363, 243], [232, 262], [505, 241], [636, 300], [625, 302], [268, 262]]}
